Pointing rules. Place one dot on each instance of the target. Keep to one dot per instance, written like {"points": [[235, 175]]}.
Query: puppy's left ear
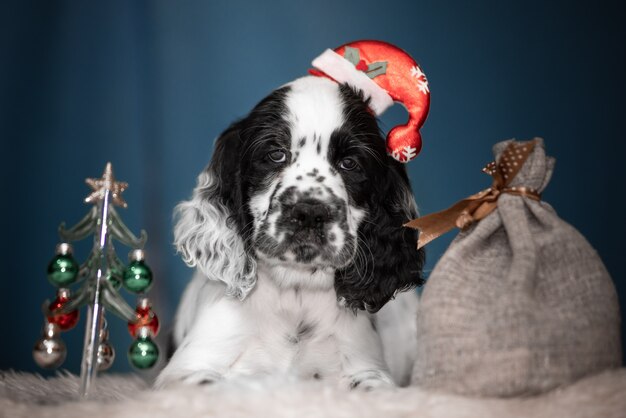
{"points": [[387, 260]]}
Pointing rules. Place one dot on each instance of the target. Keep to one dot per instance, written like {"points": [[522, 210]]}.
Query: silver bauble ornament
{"points": [[49, 353], [106, 356]]}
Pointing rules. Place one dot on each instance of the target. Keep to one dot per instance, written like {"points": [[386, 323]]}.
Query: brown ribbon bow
{"points": [[478, 206]]}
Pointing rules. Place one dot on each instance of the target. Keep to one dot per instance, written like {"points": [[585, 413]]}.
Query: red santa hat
{"points": [[386, 74]]}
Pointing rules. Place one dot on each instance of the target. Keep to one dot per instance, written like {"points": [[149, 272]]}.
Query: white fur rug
{"points": [[29, 396]]}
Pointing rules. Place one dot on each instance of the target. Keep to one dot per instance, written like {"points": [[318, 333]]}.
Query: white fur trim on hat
{"points": [[344, 71]]}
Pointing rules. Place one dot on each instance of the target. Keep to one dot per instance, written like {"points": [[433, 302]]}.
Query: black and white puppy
{"points": [[295, 228]]}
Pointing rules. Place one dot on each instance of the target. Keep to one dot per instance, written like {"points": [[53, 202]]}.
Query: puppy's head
{"points": [[304, 183]]}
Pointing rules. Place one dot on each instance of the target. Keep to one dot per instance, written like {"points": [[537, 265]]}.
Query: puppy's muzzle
{"points": [[309, 222]]}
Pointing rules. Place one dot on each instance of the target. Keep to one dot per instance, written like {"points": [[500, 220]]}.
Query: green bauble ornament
{"points": [[137, 277], [62, 270], [143, 353]]}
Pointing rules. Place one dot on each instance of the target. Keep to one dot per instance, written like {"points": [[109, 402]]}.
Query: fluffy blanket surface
{"points": [[29, 395]]}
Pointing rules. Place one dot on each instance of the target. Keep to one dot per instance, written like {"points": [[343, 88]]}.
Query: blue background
{"points": [[149, 85]]}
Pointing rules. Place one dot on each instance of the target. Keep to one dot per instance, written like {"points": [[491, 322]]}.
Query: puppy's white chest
{"points": [[292, 332]]}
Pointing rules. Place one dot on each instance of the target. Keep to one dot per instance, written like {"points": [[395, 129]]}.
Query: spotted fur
{"points": [[296, 230]]}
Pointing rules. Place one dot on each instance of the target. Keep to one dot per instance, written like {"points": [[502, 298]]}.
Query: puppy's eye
{"points": [[348, 164], [277, 156]]}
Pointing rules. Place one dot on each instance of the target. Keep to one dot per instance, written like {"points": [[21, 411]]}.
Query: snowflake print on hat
{"points": [[422, 82]]}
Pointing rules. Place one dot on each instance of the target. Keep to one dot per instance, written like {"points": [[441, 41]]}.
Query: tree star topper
{"points": [[107, 182]]}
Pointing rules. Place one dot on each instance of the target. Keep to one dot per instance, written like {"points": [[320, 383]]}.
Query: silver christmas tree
{"points": [[98, 281]]}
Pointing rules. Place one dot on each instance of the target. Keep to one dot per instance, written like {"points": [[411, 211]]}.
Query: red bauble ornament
{"points": [[65, 321], [145, 318]]}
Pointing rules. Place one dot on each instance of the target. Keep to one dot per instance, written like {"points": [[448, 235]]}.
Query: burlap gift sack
{"points": [[519, 303]]}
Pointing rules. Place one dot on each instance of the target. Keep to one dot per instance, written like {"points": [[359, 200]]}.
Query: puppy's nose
{"points": [[310, 214]]}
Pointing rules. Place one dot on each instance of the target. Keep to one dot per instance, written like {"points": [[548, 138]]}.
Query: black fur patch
{"points": [[240, 159], [305, 330], [380, 186]]}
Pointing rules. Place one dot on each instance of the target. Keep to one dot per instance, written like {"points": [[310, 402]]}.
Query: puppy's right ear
{"points": [[209, 229]]}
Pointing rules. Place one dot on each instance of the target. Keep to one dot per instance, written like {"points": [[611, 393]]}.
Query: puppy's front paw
{"points": [[196, 377], [370, 379]]}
